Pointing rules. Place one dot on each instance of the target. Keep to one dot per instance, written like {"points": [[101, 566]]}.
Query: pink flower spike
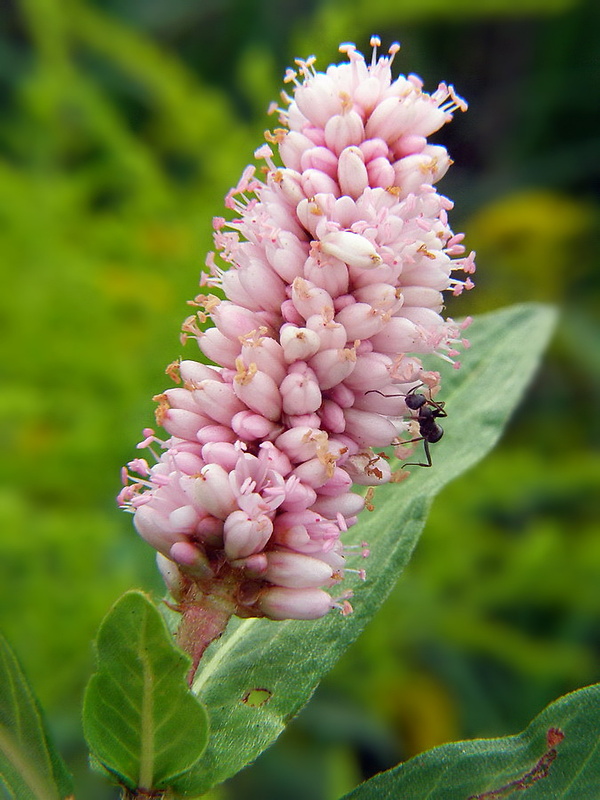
{"points": [[331, 274]]}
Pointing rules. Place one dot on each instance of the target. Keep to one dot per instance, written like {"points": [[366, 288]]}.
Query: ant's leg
{"points": [[376, 391], [439, 407], [409, 441], [427, 456], [410, 391]]}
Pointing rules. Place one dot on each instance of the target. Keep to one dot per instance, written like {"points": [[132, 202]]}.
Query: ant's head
{"points": [[415, 401]]}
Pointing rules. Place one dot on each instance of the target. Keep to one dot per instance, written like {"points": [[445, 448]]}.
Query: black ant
{"points": [[428, 412]]}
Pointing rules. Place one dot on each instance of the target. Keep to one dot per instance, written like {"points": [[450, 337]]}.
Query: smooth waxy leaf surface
{"points": [[284, 661], [557, 756], [140, 719], [30, 767]]}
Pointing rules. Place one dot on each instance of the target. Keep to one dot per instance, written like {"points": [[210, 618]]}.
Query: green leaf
{"points": [[140, 719], [284, 661], [557, 756], [30, 767]]}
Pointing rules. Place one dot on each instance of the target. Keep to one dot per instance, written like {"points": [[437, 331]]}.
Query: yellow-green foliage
{"points": [[339, 20], [104, 227], [535, 242]]}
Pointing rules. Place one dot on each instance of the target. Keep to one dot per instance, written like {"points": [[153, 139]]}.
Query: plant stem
{"points": [[204, 618], [143, 794]]}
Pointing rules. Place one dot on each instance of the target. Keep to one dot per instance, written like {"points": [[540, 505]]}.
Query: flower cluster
{"points": [[333, 270]]}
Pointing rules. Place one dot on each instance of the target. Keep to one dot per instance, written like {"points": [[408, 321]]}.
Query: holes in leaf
{"points": [[255, 698]]}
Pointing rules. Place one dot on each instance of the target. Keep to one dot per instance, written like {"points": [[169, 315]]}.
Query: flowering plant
{"points": [[322, 314]]}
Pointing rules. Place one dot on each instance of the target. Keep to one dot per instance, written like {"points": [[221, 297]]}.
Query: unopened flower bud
{"points": [[244, 536], [281, 603], [212, 490], [296, 571], [353, 176], [352, 248], [298, 344]]}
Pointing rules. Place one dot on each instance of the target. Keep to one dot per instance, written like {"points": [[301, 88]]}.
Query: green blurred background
{"points": [[124, 122]]}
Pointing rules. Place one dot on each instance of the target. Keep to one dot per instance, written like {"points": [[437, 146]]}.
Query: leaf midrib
{"points": [[146, 776], [31, 777]]}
